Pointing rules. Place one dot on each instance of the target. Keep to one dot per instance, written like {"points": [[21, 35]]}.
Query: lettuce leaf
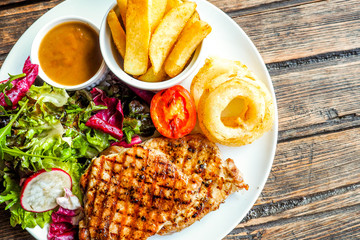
{"points": [[5, 131], [11, 196], [55, 126], [48, 132]]}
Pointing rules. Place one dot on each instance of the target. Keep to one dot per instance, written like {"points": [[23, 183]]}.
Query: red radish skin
{"points": [[30, 180]]}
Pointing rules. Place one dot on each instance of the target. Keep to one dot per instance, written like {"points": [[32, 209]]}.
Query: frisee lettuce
{"points": [[5, 131], [47, 132], [50, 131], [11, 194]]}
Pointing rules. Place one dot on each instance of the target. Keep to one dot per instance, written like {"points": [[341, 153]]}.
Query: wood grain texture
{"points": [[235, 5], [336, 224], [9, 2], [14, 22], [244, 7], [311, 210], [2, 59], [314, 181], [7, 232], [318, 97], [311, 205], [313, 164], [304, 30], [280, 34]]}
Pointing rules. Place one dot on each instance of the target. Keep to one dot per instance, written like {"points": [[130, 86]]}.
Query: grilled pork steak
{"points": [[195, 154], [133, 194]]}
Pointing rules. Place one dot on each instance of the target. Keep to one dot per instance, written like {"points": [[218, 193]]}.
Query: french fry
{"points": [[117, 32], [137, 36], [150, 76], [167, 33], [157, 12], [122, 4], [171, 4], [195, 17], [185, 47]]}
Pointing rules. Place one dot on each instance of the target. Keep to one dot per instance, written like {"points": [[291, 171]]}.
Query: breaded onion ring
{"points": [[255, 119], [214, 68]]}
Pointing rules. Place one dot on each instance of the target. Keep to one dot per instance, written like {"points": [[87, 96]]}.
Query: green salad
{"points": [[52, 128]]}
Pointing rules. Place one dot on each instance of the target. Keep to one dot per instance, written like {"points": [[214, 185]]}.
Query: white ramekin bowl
{"points": [[115, 62], [96, 79]]}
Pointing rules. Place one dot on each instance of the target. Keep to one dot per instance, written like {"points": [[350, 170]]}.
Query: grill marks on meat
{"points": [[160, 187], [194, 154], [132, 195]]}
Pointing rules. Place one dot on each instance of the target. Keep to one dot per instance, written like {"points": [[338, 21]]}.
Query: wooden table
{"points": [[312, 50]]}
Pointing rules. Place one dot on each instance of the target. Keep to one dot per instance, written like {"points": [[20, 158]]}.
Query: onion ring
{"points": [[255, 119], [213, 68]]}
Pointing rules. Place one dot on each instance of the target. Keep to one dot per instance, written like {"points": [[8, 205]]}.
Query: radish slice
{"points": [[69, 201], [40, 190]]}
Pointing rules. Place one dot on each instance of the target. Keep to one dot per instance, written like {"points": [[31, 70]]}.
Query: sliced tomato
{"points": [[173, 112]]}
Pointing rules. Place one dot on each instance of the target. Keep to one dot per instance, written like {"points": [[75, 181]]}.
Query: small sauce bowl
{"points": [[115, 62], [99, 75]]}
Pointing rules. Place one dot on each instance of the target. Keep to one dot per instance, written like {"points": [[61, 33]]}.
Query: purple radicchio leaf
{"points": [[57, 229], [58, 218], [67, 212], [70, 235], [64, 221], [109, 120], [123, 143], [20, 86]]}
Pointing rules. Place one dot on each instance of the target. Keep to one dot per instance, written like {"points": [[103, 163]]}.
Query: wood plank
{"points": [[318, 97], [308, 205], [235, 5], [332, 207], [7, 2], [2, 59], [314, 164], [337, 224], [304, 30], [8, 232], [312, 179], [228, 6], [256, 6], [14, 22], [296, 28]]}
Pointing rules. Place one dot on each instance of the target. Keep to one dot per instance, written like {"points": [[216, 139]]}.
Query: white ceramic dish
{"points": [[99, 75], [115, 62], [226, 40]]}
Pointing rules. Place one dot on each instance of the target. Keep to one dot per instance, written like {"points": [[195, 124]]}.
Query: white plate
{"points": [[228, 40]]}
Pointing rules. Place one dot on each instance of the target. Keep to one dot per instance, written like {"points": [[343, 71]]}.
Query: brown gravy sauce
{"points": [[69, 54]]}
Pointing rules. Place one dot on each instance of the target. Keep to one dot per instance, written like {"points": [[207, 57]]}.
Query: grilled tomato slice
{"points": [[173, 112]]}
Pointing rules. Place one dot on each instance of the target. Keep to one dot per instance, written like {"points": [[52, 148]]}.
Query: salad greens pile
{"points": [[49, 129]]}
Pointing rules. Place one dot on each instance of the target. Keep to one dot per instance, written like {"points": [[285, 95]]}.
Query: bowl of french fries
{"points": [[153, 45]]}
